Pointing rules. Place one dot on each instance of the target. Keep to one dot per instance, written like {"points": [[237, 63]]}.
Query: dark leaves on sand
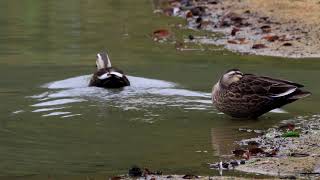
{"points": [[234, 31], [116, 178], [287, 44], [213, 2], [256, 150], [259, 46], [190, 176], [299, 155], [271, 38], [239, 152], [266, 29], [253, 143], [287, 126], [232, 42], [198, 11], [161, 34], [189, 15]]}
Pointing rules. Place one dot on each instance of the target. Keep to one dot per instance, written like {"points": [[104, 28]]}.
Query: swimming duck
{"points": [[249, 96], [107, 76]]}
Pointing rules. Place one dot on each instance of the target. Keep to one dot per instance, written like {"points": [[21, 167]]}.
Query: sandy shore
{"points": [[183, 177], [296, 156], [286, 28]]}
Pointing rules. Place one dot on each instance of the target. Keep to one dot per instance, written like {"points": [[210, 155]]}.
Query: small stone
{"points": [[242, 161], [225, 165], [199, 20], [234, 163]]}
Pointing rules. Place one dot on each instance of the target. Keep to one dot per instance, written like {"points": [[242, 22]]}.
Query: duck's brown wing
{"points": [[272, 80], [253, 95], [266, 86]]}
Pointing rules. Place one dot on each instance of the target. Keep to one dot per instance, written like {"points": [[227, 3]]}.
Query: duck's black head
{"points": [[103, 61], [231, 76]]}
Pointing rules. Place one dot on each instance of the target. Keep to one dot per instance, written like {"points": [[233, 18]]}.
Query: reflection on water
{"points": [[143, 95]]}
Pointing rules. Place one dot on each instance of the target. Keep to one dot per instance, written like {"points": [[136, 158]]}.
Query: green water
{"points": [[47, 41]]}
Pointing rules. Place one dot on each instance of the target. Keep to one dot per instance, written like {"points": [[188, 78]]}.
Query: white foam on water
{"points": [[142, 94], [57, 102], [75, 82], [42, 95], [18, 111], [48, 109], [71, 115], [55, 114]]}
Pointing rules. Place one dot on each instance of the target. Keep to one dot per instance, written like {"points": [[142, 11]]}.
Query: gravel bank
{"points": [[271, 28]]}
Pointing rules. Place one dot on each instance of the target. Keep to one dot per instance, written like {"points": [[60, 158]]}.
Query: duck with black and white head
{"points": [[107, 76]]}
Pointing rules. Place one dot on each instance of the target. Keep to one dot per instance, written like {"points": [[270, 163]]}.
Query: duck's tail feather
{"points": [[299, 93]]}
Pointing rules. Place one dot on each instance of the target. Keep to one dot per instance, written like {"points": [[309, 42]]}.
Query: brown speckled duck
{"points": [[107, 76], [249, 96]]}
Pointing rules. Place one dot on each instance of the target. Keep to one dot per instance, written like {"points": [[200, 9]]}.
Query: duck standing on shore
{"points": [[249, 96], [107, 76]]}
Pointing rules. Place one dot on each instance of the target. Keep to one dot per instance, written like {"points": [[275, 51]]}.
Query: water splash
{"points": [[144, 94]]}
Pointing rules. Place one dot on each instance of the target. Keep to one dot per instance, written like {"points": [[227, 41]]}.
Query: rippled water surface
{"points": [[52, 123]]}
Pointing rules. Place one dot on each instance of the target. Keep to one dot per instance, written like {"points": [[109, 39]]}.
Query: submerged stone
{"points": [[135, 171]]}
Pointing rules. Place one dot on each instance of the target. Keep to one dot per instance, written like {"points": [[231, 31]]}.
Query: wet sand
{"points": [[291, 156]]}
